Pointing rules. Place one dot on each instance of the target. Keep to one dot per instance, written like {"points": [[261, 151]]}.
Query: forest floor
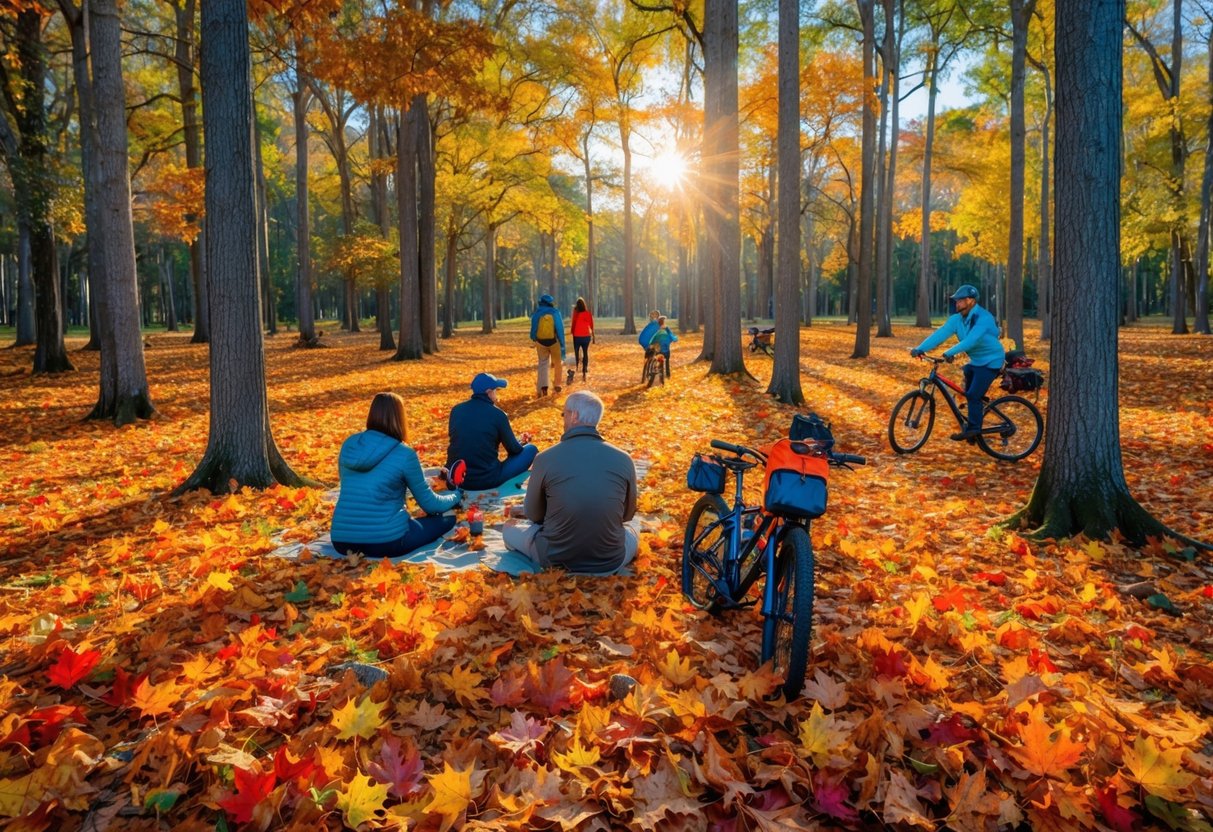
{"points": [[159, 671]]}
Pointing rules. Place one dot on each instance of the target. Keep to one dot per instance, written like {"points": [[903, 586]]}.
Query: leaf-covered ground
{"points": [[159, 671]]}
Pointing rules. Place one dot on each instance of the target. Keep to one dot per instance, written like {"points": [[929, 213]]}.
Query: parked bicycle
{"points": [[1011, 426], [727, 550], [762, 339]]}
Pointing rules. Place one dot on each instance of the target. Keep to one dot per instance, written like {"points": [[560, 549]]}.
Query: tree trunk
{"points": [[1045, 276], [591, 291], [124, 395], [721, 124], [303, 249], [452, 268], [629, 245], [410, 346], [426, 242], [1021, 15], [381, 149], [1206, 205], [1081, 487], [191, 134], [924, 263], [269, 302], [170, 317], [785, 374], [240, 447], [867, 178], [27, 331], [490, 278]]}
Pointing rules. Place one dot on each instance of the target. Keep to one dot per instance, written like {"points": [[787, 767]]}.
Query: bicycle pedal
{"points": [[738, 605]]}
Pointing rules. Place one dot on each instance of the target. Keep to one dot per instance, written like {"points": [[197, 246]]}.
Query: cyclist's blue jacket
{"points": [[646, 334], [977, 333], [376, 471], [662, 339]]}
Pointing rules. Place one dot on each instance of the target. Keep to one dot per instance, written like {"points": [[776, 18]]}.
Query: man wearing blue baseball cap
{"points": [[977, 333], [477, 428]]}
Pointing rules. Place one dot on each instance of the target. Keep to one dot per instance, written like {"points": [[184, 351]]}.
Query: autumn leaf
{"points": [[400, 769], [1160, 772], [360, 800], [548, 685], [71, 667], [463, 683], [677, 669], [251, 788], [155, 700], [821, 735], [453, 793], [521, 736], [1046, 751], [360, 719]]}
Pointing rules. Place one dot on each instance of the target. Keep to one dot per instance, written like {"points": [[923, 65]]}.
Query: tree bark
{"points": [[1021, 15], [191, 134], [785, 374], [170, 301], [1206, 205], [380, 145], [26, 329], [303, 243], [426, 239], [240, 447], [867, 178], [410, 346], [591, 290], [629, 244], [923, 318], [724, 233], [1081, 488], [269, 302], [124, 395], [1045, 270], [490, 278]]}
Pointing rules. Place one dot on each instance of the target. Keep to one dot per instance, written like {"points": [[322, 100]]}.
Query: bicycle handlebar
{"points": [[739, 450], [849, 458]]}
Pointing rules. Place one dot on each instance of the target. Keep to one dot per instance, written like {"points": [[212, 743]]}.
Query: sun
{"points": [[669, 169]]}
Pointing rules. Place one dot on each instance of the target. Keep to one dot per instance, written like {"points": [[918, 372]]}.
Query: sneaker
{"points": [[968, 434]]}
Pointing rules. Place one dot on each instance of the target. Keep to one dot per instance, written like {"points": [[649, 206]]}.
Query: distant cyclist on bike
{"points": [[977, 333]]}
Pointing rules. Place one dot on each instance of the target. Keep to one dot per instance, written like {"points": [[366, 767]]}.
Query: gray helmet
{"points": [[965, 291]]}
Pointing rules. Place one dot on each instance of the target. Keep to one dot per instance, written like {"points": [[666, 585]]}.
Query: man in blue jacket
{"points": [[977, 333], [547, 330], [477, 428]]}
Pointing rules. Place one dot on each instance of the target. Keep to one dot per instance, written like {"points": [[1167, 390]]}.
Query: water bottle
{"points": [[475, 520]]}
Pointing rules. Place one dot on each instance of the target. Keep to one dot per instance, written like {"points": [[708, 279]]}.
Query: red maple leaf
{"points": [[992, 578], [956, 598], [251, 789], [1040, 662], [299, 771], [72, 667], [50, 721], [402, 771], [508, 691], [549, 687], [124, 687], [830, 796], [1117, 816], [951, 731], [889, 663]]}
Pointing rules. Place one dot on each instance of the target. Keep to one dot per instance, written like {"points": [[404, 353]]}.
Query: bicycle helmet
{"points": [[964, 291]]}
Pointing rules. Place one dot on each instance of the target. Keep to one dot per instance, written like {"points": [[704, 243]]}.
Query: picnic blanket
{"points": [[457, 551]]}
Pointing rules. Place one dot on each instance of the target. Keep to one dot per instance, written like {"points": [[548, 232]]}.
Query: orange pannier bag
{"points": [[797, 477]]}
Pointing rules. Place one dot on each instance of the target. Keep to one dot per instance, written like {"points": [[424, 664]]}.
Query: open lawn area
{"points": [[159, 670]]}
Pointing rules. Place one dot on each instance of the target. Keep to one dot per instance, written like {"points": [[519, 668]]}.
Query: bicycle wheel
{"points": [[1020, 424], [787, 632], [703, 551], [911, 422]]}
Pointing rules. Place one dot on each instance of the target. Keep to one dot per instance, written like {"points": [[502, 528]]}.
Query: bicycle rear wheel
{"points": [[911, 422], [1020, 428], [703, 552], [788, 630]]}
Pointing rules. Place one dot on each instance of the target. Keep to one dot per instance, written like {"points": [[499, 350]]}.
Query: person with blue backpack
{"points": [[977, 334], [547, 334], [661, 340]]}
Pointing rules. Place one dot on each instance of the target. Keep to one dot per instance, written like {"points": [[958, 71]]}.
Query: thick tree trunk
{"points": [[1206, 206], [724, 234], [124, 395], [923, 318], [785, 374], [867, 179], [409, 347], [1021, 14], [1081, 487], [240, 447], [303, 244], [1045, 276], [27, 331]]}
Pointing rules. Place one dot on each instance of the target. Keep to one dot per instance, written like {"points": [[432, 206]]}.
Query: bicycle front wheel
{"points": [[911, 422], [703, 552], [788, 630], [1019, 428]]}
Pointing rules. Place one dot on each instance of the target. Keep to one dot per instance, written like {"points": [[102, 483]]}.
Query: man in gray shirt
{"points": [[580, 499]]}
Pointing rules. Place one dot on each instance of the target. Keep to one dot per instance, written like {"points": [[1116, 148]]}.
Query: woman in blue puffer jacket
{"points": [[376, 468]]}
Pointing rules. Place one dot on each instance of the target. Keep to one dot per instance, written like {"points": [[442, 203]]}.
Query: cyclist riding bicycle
{"points": [[977, 333]]}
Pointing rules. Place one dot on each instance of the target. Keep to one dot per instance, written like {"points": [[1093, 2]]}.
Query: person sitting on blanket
{"points": [[477, 428], [581, 499], [377, 468]]}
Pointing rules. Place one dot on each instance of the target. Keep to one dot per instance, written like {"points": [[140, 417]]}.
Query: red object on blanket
{"points": [[475, 520], [457, 472]]}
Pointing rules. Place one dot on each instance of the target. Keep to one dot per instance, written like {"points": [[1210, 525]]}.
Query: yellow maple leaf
{"points": [[220, 580], [577, 756], [452, 794], [19, 796], [1087, 593], [463, 683], [820, 735], [1046, 751], [1095, 551], [677, 669], [916, 607], [360, 800], [153, 700], [1159, 772], [358, 720]]}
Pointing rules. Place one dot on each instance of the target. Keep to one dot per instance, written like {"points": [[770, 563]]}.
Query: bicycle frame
{"points": [[934, 381]]}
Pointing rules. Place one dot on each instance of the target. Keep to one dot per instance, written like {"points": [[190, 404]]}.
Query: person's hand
{"points": [[915, 352], [444, 473], [949, 358], [525, 438]]}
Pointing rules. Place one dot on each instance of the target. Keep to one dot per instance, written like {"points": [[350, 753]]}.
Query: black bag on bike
{"points": [[797, 480], [706, 475], [1018, 359], [1022, 380], [811, 427]]}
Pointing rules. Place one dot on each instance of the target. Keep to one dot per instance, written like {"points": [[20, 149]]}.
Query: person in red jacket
{"points": [[583, 335]]}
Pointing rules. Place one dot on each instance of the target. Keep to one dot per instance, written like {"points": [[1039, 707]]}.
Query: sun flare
{"points": [[669, 169]]}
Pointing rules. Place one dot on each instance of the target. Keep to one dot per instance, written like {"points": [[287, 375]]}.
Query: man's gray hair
{"points": [[587, 406]]}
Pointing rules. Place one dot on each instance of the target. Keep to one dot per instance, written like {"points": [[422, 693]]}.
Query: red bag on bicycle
{"points": [[797, 477]]}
